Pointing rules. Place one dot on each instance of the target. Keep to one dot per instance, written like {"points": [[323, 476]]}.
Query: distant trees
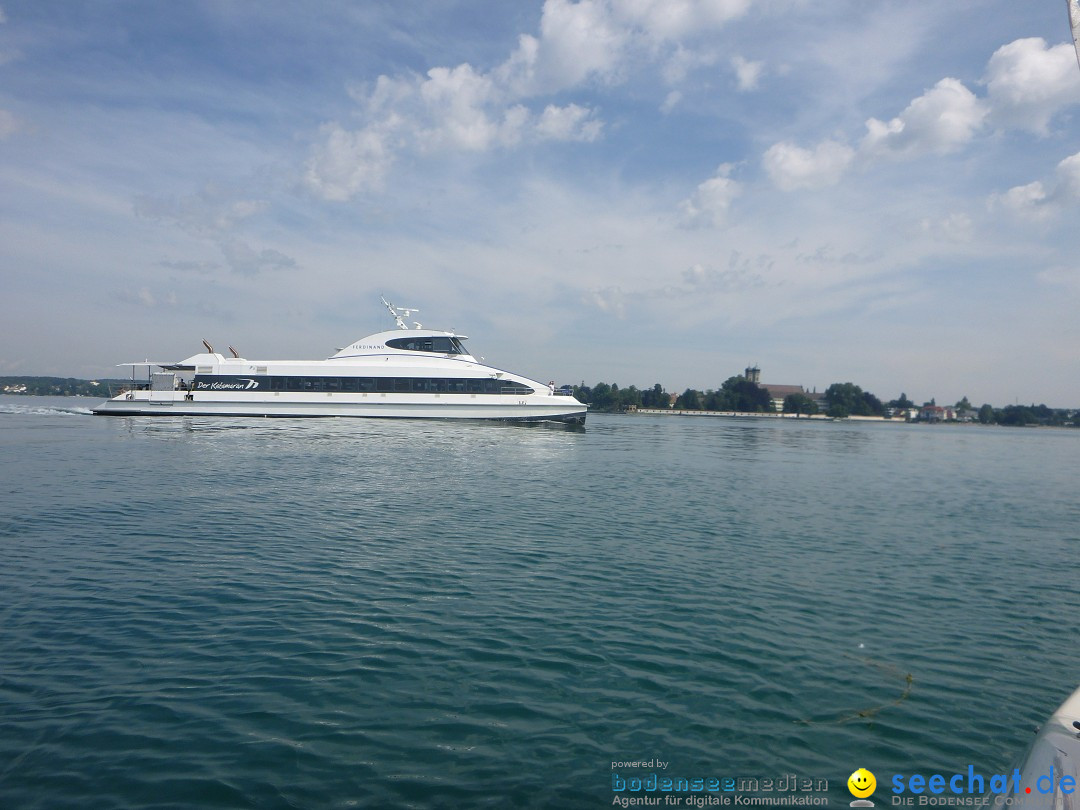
{"points": [[735, 394], [799, 404], [848, 399], [902, 403], [605, 397], [60, 386], [690, 400], [741, 395], [655, 397], [1031, 415]]}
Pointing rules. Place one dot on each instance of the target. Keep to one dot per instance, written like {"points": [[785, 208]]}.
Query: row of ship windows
{"points": [[425, 385]]}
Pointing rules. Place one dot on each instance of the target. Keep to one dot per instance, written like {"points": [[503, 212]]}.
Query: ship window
{"points": [[385, 383], [366, 384], [515, 388], [440, 345], [455, 386]]}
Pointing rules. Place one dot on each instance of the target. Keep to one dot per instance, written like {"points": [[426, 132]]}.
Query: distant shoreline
{"points": [[739, 414], [820, 417], [26, 385]]}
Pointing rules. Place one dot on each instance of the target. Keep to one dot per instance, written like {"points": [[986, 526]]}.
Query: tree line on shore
{"points": [[59, 386], [735, 394], [840, 400]]}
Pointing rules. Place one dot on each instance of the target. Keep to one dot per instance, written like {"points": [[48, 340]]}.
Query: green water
{"points": [[365, 613]]}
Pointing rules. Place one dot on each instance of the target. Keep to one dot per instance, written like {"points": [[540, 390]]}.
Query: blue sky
{"points": [[630, 191]]}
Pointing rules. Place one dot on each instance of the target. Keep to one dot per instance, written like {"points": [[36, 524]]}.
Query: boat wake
{"points": [[43, 410]]}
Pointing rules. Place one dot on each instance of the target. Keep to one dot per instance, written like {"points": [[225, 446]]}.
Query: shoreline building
{"points": [[778, 393]]}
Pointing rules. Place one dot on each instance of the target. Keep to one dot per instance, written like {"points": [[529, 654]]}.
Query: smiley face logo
{"points": [[861, 783]]}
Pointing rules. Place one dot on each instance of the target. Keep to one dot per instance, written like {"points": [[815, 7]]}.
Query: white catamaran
{"points": [[405, 373]]}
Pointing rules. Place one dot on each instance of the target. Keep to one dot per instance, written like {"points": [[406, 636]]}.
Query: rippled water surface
{"points": [[364, 613]]}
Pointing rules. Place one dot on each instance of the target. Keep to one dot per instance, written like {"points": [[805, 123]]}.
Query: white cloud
{"points": [[214, 215], [595, 40], [671, 101], [747, 73], [456, 102], [448, 110], [711, 201], [957, 227], [1063, 276], [1036, 201], [210, 213], [578, 41], [246, 260], [465, 109], [737, 277], [452, 110], [346, 163], [665, 20], [1068, 172], [144, 297], [609, 299], [569, 123], [9, 124], [1028, 83], [941, 120], [1027, 200], [683, 61], [791, 167]]}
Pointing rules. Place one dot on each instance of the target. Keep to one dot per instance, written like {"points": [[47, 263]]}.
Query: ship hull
{"points": [[385, 406]]}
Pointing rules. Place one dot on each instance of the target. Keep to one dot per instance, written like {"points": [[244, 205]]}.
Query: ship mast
{"points": [[399, 314], [1074, 22]]}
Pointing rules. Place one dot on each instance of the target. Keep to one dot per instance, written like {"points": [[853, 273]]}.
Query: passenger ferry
{"points": [[407, 372]]}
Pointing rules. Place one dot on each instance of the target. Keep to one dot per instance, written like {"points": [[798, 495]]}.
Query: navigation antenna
{"points": [[1074, 23], [399, 314]]}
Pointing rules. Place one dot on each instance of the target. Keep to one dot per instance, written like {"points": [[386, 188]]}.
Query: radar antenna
{"points": [[399, 314], [1074, 23]]}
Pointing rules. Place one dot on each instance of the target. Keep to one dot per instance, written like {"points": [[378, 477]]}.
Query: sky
{"points": [[626, 191]]}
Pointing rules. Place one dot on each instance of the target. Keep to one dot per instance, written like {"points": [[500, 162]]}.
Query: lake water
{"points": [[365, 613]]}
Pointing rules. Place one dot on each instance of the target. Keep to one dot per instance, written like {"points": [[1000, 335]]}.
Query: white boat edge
{"points": [[1054, 755]]}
